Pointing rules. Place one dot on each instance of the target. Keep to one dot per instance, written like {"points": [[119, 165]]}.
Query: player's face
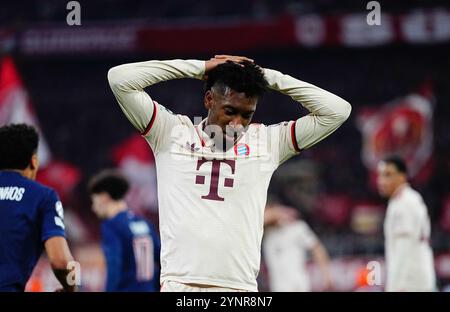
{"points": [[99, 204], [388, 179], [231, 113]]}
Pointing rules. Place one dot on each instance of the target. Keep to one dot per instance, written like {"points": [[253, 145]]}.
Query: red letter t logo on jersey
{"points": [[215, 174]]}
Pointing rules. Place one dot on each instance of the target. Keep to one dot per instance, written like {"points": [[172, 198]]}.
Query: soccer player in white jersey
{"points": [[408, 255], [213, 176], [287, 241]]}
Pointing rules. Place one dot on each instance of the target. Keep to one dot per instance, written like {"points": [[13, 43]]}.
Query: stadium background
{"points": [[395, 75]]}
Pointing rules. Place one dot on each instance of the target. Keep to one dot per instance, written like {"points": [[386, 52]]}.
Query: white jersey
{"points": [[409, 258], [285, 251], [211, 203]]}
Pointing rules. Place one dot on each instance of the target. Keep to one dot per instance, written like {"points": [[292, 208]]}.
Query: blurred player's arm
{"points": [[128, 81], [55, 243], [406, 233], [308, 239], [320, 256], [276, 214], [327, 111], [399, 269], [112, 249], [156, 255], [59, 256]]}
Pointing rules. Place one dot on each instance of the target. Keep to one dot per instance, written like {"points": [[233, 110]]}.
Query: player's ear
{"points": [[208, 99], [34, 163]]}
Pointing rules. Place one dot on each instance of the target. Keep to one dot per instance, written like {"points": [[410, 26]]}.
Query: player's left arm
{"points": [[318, 251], [327, 110], [55, 243], [59, 256]]}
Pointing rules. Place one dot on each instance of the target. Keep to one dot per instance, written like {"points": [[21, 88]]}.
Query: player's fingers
{"points": [[241, 59], [244, 58], [234, 58], [221, 56]]}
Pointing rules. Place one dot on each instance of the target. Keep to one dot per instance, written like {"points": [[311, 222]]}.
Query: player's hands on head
{"points": [[223, 58]]}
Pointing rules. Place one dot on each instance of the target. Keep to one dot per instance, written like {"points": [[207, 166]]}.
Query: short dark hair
{"points": [[111, 182], [398, 162], [18, 143], [245, 77]]}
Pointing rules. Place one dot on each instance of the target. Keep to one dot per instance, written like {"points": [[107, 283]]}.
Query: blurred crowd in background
{"points": [[399, 88]]}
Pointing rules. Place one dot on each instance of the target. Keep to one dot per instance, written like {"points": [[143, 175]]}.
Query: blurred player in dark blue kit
{"points": [[31, 215], [130, 243]]}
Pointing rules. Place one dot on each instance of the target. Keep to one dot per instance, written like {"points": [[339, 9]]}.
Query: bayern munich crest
{"points": [[241, 149]]}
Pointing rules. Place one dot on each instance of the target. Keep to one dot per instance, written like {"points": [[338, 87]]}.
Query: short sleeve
{"points": [[52, 213]]}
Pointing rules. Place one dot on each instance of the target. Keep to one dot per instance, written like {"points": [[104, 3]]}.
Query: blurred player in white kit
{"points": [[213, 177], [287, 241], [408, 255]]}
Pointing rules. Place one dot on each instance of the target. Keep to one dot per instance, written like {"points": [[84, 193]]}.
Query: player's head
{"points": [[232, 92], [18, 149], [392, 172], [108, 190]]}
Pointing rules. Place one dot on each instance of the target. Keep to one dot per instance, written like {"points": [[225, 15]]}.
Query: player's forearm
{"points": [[60, 258], [128, 81], [62, 272], [318, 101], [62, 275], [321, 257], [137, 76], [328, 111]]}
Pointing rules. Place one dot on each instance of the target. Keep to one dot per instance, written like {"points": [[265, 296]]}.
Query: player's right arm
{"points": [[321, 257], [308, 239], [128, 81]]}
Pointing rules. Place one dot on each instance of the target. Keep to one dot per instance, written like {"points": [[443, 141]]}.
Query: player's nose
{"points": [[235, 127], [236, 122]]}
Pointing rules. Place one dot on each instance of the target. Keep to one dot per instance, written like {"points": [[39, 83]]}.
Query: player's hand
{"points": [[329, 284], [222, 58], [279, 214]]}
